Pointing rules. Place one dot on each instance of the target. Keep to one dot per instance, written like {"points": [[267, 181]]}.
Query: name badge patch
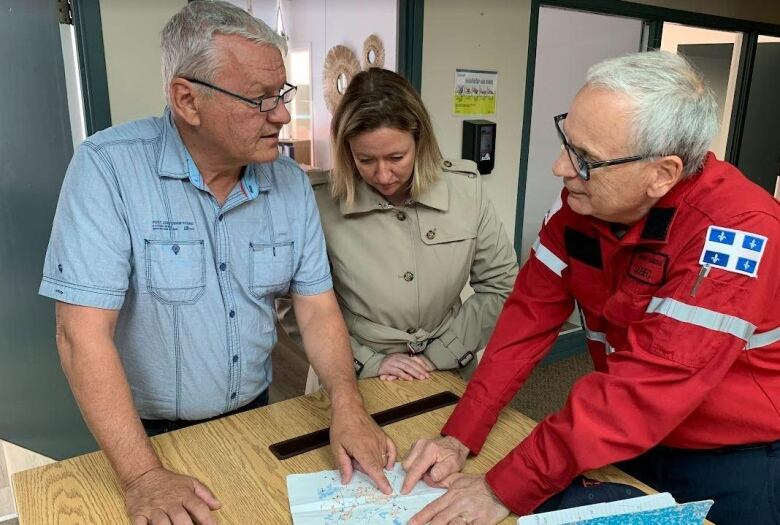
{"points": [[733, 250], [648, 267]]}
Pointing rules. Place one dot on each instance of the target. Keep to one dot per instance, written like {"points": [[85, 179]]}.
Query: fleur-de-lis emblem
{"points": [[175, 248]]}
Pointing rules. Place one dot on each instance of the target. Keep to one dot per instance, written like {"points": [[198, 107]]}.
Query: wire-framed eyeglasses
{"points": [[580, 165], [264, 104]]}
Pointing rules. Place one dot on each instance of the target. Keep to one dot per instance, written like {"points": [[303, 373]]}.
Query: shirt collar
{"points": [[436, 196], [173, 155], [176, 162]]}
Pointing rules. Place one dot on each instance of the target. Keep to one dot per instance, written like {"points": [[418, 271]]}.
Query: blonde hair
{"points": [[376, 99]]}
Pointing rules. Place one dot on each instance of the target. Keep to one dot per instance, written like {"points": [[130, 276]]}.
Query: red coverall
{"points": [[678, 363]]}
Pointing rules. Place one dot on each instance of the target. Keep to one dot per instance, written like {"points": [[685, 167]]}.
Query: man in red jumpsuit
{"points": [[673, 259]]}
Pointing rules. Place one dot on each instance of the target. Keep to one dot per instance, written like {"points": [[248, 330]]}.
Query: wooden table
{"points": [[231, 456]]}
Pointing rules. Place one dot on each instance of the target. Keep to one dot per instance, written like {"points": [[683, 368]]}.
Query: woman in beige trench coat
{"points": [[405, 232]]}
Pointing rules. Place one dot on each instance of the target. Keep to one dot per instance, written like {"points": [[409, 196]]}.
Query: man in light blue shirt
{"points": [[172, 238]]}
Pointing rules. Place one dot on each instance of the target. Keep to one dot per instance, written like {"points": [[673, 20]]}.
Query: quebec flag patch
{"points": [[733, 250]]}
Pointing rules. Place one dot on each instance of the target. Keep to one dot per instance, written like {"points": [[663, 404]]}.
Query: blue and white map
{"points": [[320, 498]]}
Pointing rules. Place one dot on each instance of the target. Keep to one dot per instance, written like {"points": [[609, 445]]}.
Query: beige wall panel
{"points": [[488, 35], [131, 37]]}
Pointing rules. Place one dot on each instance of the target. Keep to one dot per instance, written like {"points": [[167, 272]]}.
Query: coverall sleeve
{"points": [[526, 329], [674, 356]]}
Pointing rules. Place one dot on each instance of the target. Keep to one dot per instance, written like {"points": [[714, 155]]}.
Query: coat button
{"points": [[411, 330], [401, 216], [408, 276], [447, 164], [431, 235]]}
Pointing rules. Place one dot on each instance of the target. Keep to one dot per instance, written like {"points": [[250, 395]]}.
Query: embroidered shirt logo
{"points": [[733, 250]]}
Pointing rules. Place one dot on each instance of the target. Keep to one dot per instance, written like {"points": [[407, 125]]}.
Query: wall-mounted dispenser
{"points": [[479, 144]]}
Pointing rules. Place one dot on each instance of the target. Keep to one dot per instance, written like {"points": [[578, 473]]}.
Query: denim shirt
{"points": [[137, 230]]}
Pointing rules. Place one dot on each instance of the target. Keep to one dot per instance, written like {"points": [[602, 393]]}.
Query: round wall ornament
{"points": [[373, 52], [340, 66]]}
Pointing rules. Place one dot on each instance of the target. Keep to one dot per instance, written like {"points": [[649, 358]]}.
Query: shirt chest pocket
{"points": [[175, 270], [270, 268]]}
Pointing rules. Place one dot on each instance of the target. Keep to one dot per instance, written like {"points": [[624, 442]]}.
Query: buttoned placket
{"points": [[224, 266], [407, 215]]}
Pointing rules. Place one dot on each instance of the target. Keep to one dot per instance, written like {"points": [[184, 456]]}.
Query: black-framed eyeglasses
{"points": [[264, 104], [580, 165]]}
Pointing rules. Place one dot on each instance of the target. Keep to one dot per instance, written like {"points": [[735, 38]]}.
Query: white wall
{"points": [[131, 38], [323, 24], [568, 43], [490, 35]]}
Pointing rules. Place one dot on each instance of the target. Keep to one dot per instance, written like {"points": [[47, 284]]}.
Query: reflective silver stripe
{"points": [[763, 339], [696, 315], [548, 258], [598, 337]]}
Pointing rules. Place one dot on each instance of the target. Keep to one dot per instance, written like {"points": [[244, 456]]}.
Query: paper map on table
{"points": [[320, 498], [657, 509]]}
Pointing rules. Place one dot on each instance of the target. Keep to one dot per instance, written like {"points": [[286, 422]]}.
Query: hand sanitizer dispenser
{"points": [[479, 144]]}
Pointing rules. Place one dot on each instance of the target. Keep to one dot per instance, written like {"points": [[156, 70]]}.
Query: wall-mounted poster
{"points": [[475, 92]]}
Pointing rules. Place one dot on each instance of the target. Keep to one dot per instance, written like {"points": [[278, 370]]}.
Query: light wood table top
{"points": [[231, 456]]}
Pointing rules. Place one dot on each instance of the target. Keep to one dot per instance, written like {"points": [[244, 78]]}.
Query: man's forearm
{"points": [[100, 387], [326, 342], [327, 348]]}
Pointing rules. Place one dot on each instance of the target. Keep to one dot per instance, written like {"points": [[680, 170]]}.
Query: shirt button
{"points": [[431, 235], [223, 267], [411, 330], [233, 395], [220, 217], [401, 216], [232, 313], [408, 276], [447, 164], [235, 359]]}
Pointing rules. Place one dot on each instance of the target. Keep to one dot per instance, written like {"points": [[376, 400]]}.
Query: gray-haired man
{"points": [[172, 237], [672, 257]]}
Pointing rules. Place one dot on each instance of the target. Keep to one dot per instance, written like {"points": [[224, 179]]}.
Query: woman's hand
{"points": [[402, 366]]}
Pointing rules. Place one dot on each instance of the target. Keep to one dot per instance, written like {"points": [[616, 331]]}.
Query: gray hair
{"points": [[187, 41], [676, 112]]}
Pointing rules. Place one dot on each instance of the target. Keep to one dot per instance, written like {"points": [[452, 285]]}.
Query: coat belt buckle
{"points": [[415, 347], [465, 359]]}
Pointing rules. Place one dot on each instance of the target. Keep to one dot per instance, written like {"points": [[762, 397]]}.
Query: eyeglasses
{"points": [[264, 104], [582, 166]]}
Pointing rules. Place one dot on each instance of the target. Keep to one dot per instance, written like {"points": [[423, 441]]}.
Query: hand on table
{"points": [[354, 436], [433, 460], [402, 366], [162, 497], [468, 500]]}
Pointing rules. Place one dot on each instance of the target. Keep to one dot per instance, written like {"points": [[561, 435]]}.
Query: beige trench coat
{"points": [[398, 272]]}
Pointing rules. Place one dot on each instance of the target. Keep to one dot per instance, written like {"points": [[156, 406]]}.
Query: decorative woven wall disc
{"points": [[340, 66], [373, 52]]}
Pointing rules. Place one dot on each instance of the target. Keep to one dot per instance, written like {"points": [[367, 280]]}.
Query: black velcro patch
{"points": [[583, 248], [657, 224]]}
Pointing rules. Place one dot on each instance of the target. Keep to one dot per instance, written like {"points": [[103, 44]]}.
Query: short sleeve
{"points": [[312, 274], [88, 258]]}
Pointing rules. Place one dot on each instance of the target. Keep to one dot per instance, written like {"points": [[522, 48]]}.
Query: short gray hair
{"points": [[676, 112], [187, 41]]}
